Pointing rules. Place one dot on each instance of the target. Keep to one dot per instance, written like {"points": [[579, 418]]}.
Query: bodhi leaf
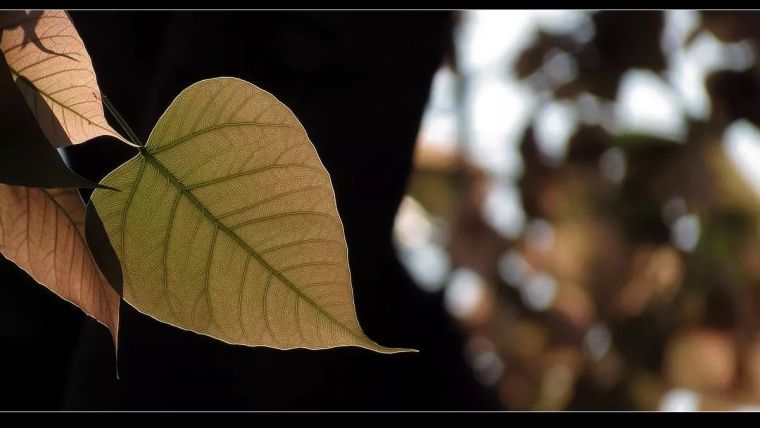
{"points": [[54, 72], [226, 225], [26, 156], [42, 231]]}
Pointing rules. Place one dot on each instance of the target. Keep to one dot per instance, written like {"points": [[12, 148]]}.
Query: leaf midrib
{"points": [[202, 208], [63, 106], [63, 211]]}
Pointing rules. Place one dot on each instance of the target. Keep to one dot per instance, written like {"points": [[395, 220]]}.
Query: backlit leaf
{"points": [[42, 231], [26, 156], [54, 72], [226, 225]]}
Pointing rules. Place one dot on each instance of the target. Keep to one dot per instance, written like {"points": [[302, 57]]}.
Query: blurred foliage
{"points": [[634, 313]]}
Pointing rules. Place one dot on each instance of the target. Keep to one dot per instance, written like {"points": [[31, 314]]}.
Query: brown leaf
{"points": [[26, 156], [54, 72], [42, 231]]}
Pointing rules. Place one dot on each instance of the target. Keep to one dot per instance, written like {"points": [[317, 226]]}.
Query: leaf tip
{"points": [[402, 350], [385, 350]]}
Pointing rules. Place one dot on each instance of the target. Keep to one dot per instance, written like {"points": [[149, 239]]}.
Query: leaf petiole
{"points": [[123, 123]]}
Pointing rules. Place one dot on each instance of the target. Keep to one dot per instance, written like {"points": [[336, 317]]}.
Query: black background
{"points": [[358, 81]]}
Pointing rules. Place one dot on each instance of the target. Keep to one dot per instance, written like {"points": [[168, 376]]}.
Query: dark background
{"points": [[358, 82]]}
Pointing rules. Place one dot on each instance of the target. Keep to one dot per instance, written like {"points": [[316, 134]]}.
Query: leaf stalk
{"points": [[123, 123]]}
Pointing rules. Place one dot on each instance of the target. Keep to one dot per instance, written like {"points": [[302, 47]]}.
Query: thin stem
{"points": [[132, 136]]}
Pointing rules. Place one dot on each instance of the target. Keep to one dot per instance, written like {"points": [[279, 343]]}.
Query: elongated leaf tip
{"points": [[387, 350], [401, 350]]}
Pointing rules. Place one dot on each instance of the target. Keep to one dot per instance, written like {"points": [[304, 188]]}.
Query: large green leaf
{"points": [[226, 225]]}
